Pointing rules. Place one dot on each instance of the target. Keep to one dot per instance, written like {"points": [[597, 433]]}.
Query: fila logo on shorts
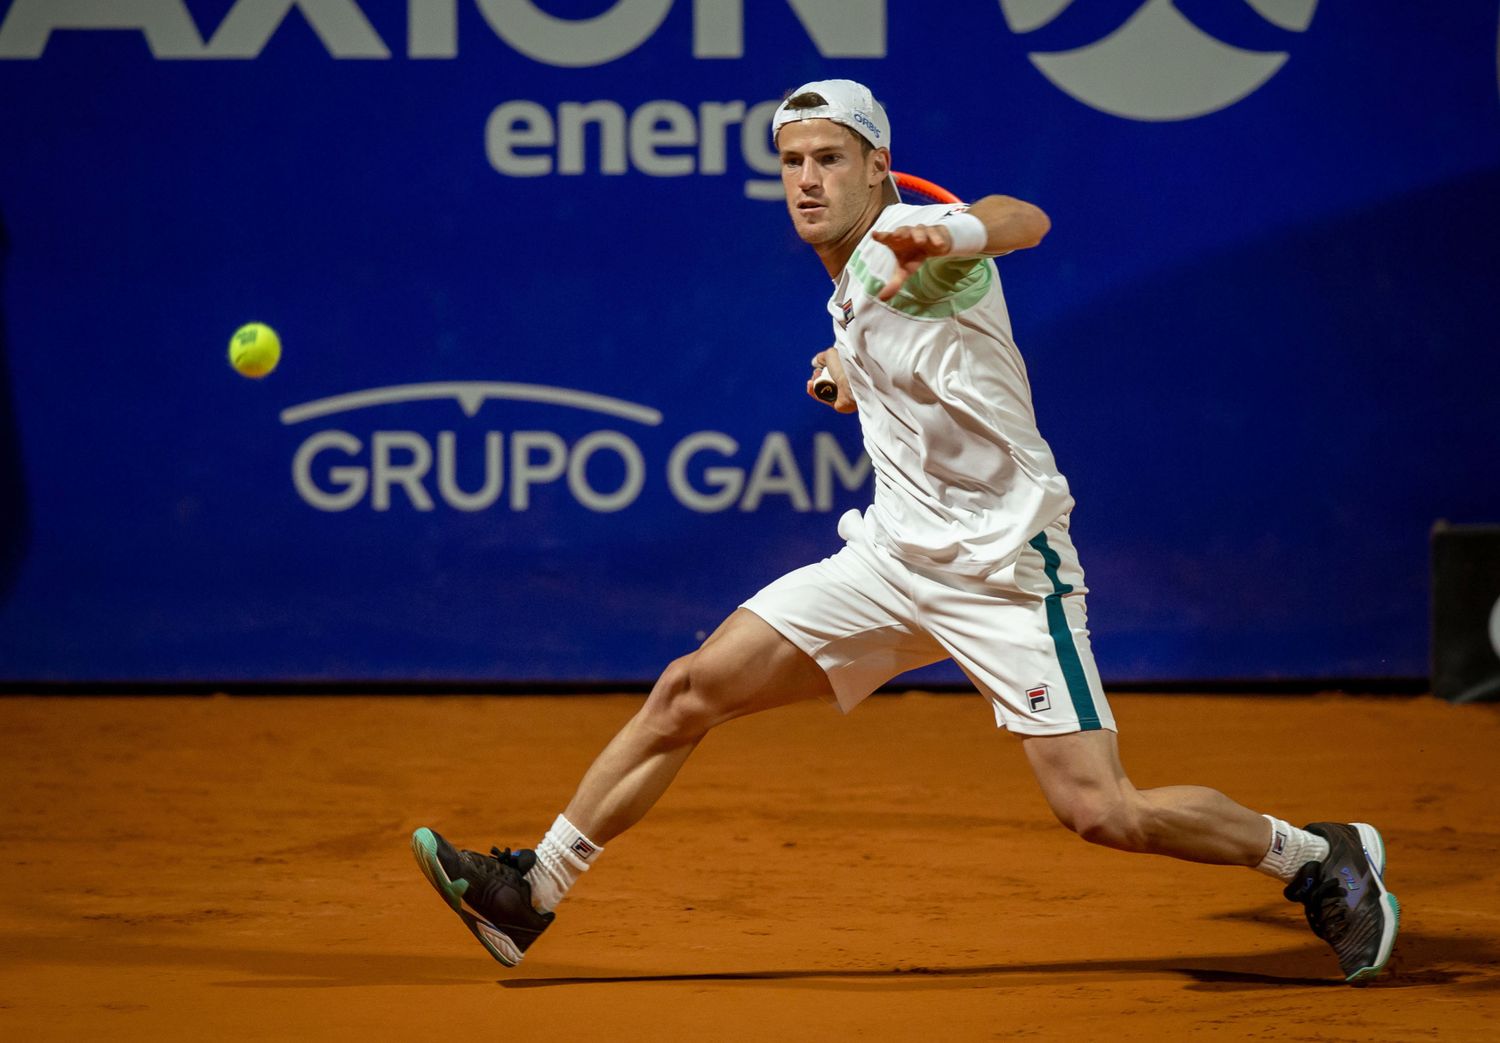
{"points": [[1038, 699]]}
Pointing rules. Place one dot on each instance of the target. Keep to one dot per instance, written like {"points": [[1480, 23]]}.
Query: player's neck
{"points": [[836, 254]]}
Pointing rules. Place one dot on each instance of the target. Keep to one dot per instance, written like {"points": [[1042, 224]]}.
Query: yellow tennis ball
{"points": [[254, 350]]}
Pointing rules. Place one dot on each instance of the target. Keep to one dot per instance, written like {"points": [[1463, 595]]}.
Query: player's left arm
{"points": [[1007, 224]]}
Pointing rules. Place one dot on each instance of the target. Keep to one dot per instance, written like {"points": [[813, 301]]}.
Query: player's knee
{"points": [[670, 709], [1111, 820], [681, 706]]}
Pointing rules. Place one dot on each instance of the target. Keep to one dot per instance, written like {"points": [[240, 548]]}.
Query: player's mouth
{"points": [[808, 205]]}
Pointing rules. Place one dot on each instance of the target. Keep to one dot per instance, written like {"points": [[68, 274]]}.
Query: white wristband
{"points": [[968, 232]]}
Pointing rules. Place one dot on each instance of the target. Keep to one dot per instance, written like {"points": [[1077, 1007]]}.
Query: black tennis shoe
{"points": [[1345, 898], [494, 887]]}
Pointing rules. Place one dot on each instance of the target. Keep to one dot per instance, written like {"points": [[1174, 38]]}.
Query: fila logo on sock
{"points": [[1278, 843], [582, 848], [1038, 698]]}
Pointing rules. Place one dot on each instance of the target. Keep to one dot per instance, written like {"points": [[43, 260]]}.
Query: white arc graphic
{"points": [[470, 396], [1026, 15], [1295, 15], [1158, 66], [1495, 627]]}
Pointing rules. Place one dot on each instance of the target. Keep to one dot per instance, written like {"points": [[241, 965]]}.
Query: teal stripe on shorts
{"points": [[1062, 639]]}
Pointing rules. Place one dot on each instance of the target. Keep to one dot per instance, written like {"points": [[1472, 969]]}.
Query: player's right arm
{"points": [[1008, 223]]}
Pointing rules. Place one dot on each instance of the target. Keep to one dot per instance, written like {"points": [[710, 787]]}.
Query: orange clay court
{"points": [[237, 868]]}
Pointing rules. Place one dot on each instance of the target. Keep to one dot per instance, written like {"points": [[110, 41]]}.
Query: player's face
{"points": [[828, 178]]}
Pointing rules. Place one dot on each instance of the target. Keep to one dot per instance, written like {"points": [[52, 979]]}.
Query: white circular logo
{"points": [[1158, 66]]}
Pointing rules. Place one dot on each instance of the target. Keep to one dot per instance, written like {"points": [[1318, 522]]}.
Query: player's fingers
{"points": [[921, 237], [894, 284], [933, 241]]}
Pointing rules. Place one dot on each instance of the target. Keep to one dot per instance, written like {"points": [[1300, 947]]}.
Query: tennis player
{"points": [[964, 554]]}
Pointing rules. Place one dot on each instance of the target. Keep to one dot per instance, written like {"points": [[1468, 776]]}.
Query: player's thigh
{"points": [[744, 667], [852, 615], [747, 665]]}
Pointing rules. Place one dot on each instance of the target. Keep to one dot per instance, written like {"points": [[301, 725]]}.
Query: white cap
{"points": [[849, 104]]}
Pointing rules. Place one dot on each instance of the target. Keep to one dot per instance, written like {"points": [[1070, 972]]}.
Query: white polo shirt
{"points": [[963, 479]]}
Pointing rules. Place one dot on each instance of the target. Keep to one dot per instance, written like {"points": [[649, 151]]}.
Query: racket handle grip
{"points": [[824, 387]]}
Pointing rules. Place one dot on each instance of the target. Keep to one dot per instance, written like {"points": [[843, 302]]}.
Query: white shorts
{"points": [[1021, 635]]}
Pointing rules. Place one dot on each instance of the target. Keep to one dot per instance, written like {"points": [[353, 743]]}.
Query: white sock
{"points": [[1290, 849], [561, 858]]}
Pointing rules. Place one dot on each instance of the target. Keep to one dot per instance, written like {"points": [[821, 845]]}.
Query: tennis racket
{"points": [[917, 191]]}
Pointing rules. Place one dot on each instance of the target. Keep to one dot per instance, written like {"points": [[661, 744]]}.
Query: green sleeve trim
{"points": [[940, 289]]}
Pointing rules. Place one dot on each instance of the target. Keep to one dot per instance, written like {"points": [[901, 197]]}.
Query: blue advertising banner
{"points": [[540, 413]]}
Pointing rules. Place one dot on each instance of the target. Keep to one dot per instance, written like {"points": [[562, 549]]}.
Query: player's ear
{"points": [[880, 165]]}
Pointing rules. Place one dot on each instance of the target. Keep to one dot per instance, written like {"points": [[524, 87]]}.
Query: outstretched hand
{"points": [[912, 245]]}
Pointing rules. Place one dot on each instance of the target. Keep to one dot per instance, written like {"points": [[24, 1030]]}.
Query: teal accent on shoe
{"points": [[495, 941], [1062, 639], [1366, 973], [424, 846]]}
